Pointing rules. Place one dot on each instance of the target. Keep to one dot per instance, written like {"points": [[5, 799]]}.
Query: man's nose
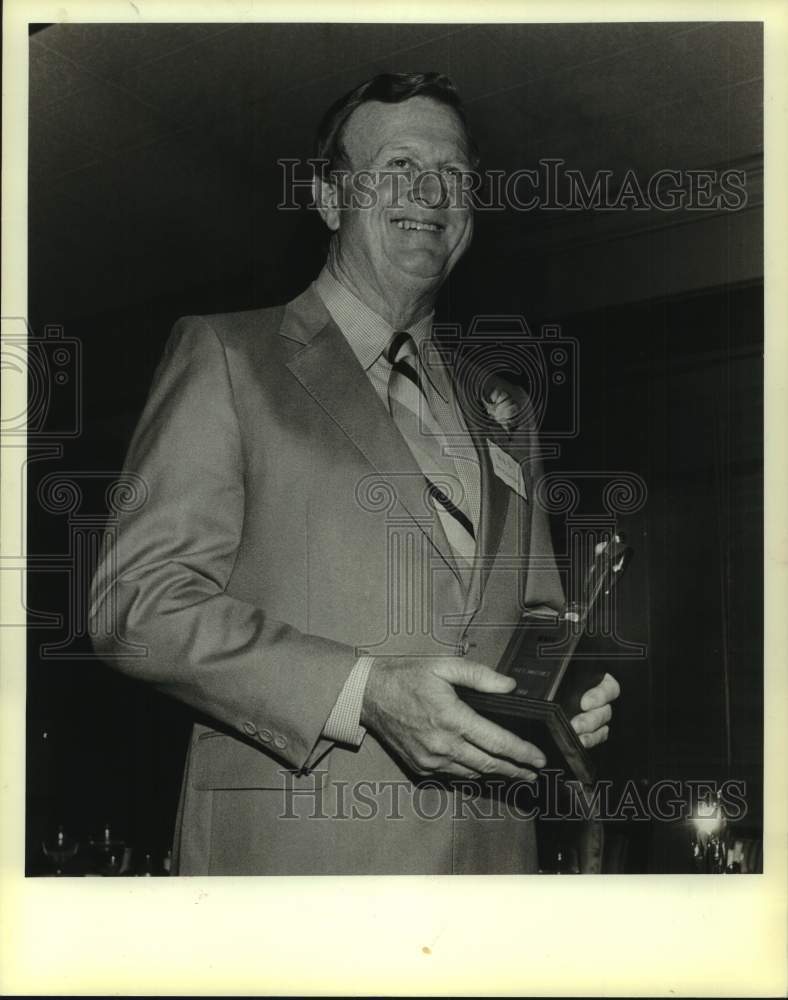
{"points": [[429, 190]]}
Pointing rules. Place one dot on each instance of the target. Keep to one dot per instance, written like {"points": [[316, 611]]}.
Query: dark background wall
{"points": [[153, 193]]}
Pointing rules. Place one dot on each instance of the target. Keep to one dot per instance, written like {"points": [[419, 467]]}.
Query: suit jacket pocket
{"points": [[219, 761]]}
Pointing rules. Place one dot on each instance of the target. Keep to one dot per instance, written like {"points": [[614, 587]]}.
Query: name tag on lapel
{"points": [[507, 469]]}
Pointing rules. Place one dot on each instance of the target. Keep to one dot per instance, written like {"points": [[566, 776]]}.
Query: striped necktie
{"points": [[410, 410]]}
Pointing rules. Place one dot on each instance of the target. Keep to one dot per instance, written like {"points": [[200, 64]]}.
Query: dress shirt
{"points": [[368, 335]]}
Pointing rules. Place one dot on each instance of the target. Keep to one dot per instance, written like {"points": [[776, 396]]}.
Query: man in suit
{"points": [[326, 525]]}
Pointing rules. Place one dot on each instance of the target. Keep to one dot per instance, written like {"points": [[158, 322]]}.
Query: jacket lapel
{"points": [[328, 370], [495, 495]]}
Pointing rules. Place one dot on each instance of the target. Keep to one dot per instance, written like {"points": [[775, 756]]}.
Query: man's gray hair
{"points": [[390, 88]]}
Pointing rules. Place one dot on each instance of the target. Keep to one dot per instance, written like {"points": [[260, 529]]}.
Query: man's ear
{"points": [[326, 198]]}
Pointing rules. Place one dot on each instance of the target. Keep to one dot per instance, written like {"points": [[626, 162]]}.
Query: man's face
{"points": [[408, 160]]}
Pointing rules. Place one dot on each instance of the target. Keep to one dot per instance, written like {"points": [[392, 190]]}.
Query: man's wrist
{"points": [[372, 690], [344, 724], [368, 698]]}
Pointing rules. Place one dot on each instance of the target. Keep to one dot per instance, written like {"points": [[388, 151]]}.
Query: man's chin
{"points": [[423, 264]]}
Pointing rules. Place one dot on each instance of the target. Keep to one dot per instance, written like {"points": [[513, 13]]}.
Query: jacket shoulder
{"points": [[298, 321], [236, 328]]}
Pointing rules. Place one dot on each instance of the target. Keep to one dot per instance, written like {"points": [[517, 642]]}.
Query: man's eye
{"points": [[400, 162]]}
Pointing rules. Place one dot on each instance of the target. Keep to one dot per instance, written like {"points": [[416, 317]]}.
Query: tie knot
{"points": [[401, 346]]}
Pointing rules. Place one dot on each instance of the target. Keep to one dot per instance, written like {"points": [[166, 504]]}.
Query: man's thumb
{"points": [[470, 674]]}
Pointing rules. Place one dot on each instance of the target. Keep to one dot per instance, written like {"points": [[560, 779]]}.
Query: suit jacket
{"points": [[285, 530]]}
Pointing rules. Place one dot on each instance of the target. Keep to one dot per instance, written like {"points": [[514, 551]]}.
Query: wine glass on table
{"points": [[59, 848], [108, 853]]}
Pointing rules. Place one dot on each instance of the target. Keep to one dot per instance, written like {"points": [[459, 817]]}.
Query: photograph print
{"points": [[394, 448]]}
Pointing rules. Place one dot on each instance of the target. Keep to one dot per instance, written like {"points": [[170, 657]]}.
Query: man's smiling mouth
{"points": [[429, 227]]}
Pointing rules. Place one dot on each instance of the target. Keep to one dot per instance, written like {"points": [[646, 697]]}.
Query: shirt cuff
{"points": [[343, 724]]}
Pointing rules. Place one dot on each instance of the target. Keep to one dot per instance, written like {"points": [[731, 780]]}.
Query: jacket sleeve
{"points": [[159, 608]]}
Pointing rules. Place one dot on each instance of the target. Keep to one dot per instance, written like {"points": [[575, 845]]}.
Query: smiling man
{"points": [[323, 525], [395, 252]]}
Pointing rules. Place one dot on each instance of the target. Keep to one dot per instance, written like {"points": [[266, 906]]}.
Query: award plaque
{"points": [[550, 683]]}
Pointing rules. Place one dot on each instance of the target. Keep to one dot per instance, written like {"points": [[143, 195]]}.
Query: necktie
{"points": [[410, 410]]}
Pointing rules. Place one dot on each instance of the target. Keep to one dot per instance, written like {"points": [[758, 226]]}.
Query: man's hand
{"points": [[411, 705], [591, 724]]}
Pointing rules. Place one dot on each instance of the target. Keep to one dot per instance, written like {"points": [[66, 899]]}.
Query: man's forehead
{"points": [[376, 123]]}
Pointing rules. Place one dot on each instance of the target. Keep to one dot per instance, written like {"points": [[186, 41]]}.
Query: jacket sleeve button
{"points": [[280, 742], [249, 727], [265, 735]]}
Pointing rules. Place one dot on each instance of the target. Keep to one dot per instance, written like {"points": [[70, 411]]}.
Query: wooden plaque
{"points": [[550, 683]]}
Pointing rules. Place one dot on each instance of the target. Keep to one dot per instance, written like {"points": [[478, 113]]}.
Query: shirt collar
{"points": [[365, 331]]}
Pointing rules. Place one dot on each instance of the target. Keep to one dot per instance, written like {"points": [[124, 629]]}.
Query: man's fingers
{"points": [[594, 739], [470, 674], [589, 722], [606, 691], [474, 764], [483, 765], [444, 735], [496, 741], [490, 738]]}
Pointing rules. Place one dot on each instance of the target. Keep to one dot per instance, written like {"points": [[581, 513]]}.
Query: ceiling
{"points": [[153, 148]]}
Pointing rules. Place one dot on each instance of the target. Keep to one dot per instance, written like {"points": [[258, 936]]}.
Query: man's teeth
{"points": [[408, 224]]}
